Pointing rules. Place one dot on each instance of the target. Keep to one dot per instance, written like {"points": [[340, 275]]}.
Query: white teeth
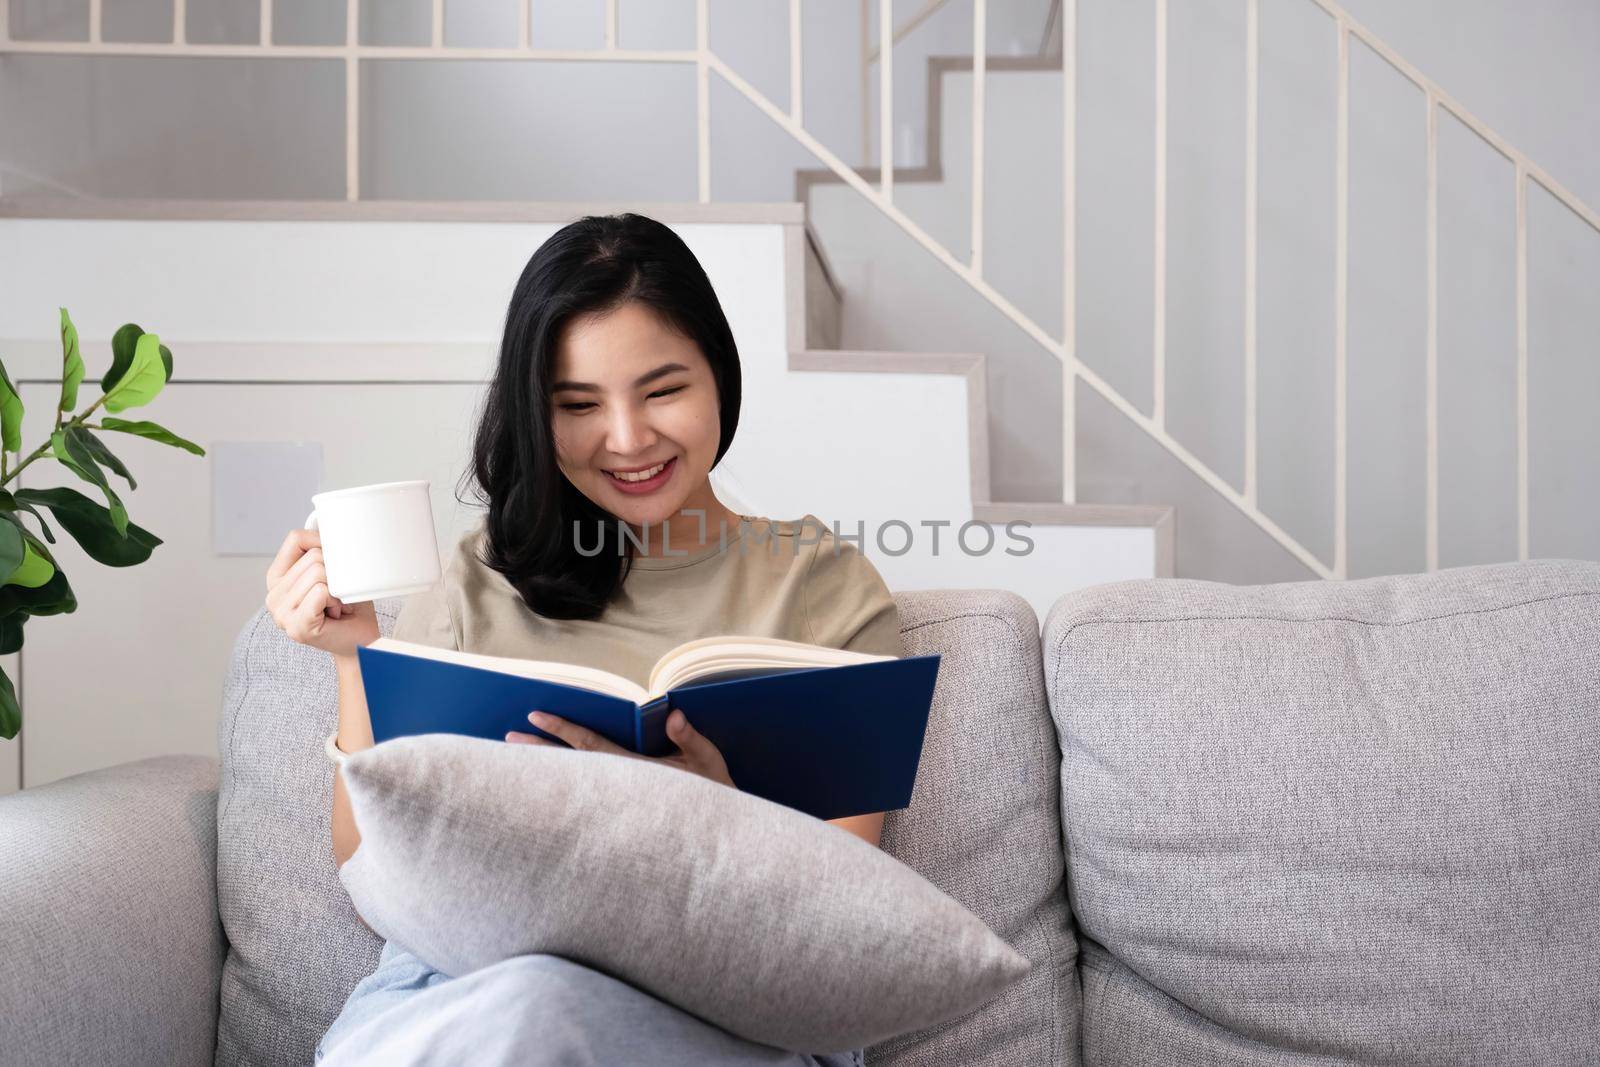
{"points": [[640, 476]]}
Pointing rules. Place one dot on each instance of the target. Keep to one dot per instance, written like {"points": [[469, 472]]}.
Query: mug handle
{"points": [[311, 521]]}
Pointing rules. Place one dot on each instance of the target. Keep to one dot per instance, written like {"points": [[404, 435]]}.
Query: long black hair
{"points": [[591, 266]]}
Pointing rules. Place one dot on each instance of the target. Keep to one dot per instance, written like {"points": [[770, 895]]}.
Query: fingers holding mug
{"points": [[295, 545], [301, 592], [288, 588], [313, 606]]}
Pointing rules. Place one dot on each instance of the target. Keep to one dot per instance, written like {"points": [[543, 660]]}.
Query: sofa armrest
{"points": [[110, 945]]}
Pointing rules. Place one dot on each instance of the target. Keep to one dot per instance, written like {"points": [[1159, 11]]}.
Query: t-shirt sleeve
{"points": [[425, 618], [847, 603]]}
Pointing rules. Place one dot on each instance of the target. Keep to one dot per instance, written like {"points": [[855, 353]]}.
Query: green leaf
{"points": [[123, 344], [34, 571], [10, 714], [152, 431], [12, 504], [36, 544], [11, 633], [34, 565], [71, 363], [144, 379], [11, 547], [10, 414], [92, 526], [102, 455], [166, 363], [69, 449], [54, 597]]}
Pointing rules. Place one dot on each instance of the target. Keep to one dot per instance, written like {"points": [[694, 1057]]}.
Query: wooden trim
{"points": [[282, 362], [875, 361], [1167, 544], [980, 56], [49, 207], [1158, 345], [886, 103], [1047, 513], [362, 52]]}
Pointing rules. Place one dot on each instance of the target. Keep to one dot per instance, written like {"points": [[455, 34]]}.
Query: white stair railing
{"points": [[881, 196], [1245, 499]]}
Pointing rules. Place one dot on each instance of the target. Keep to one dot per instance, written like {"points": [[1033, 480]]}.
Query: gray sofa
{"points": [[1304, 823]]}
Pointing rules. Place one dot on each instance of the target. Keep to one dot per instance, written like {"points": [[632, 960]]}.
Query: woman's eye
{"points": [[582, 406]]}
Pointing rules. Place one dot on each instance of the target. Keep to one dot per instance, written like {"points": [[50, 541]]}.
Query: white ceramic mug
{"points": [[377, 540]]}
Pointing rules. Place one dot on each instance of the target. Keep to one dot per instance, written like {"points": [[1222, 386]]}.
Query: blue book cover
{"points": [[830, 741]]}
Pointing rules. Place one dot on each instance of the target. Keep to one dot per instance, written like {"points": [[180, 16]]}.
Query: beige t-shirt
{"points": [[762, 581]]}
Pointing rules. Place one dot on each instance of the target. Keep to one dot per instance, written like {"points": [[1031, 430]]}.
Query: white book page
{"points": [[590, 678], [709, 656]]}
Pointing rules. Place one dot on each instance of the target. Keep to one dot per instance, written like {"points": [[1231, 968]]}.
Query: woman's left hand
{"points": [[696, 754]]}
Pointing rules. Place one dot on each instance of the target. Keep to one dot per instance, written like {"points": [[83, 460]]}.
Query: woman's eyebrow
{"points": [[643, 379]]}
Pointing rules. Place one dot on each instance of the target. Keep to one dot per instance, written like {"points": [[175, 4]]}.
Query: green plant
{"points": [[35, 585]]}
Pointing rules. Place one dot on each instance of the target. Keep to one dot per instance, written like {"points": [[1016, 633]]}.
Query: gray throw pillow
{"points": [[767, 922]]}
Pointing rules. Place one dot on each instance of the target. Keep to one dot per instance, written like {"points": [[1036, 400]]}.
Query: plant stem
{"points": [[44, 448]]}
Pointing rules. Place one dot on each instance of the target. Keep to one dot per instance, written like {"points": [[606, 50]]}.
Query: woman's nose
{"points": [[629, 433]]}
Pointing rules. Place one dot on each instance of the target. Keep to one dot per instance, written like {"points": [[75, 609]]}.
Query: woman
{"points": [[616, 392]]}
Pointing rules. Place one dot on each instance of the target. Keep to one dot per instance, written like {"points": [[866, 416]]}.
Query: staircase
{"points": [[1271, 482], [923, 209]]}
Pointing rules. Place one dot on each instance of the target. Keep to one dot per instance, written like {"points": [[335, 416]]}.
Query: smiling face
{"points": [[635, 416]]}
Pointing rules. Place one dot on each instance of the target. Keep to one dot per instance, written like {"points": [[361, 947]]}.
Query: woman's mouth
{"points": [[643, 481]]}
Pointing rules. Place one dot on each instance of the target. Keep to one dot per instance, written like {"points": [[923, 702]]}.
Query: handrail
{"points": [[871, 54]]}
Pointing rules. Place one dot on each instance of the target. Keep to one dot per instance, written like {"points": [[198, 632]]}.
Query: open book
{"points": [[825, 730]]}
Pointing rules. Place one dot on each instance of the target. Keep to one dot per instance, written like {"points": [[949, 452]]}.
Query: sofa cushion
{"points": [[110, 948], [983, 826], [984, 823], [1341, 821], [296, 947], [758, 918]]}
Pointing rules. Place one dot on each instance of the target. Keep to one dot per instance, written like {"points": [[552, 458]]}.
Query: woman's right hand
{"points": [[297, 597]]}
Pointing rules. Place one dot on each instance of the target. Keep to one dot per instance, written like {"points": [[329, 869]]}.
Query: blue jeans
{"points": [[405, 1012]]}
